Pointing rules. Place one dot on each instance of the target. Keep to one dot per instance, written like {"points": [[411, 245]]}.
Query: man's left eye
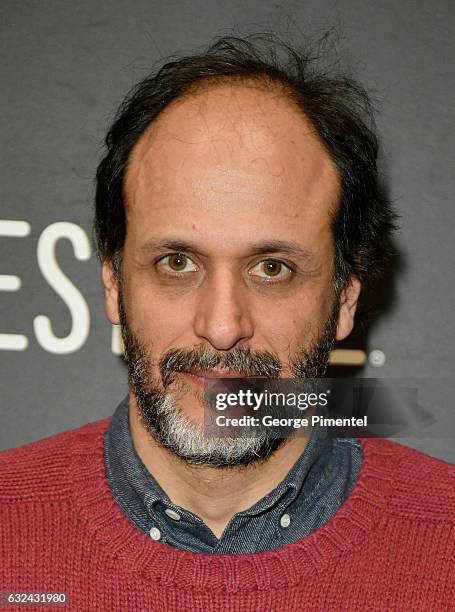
{"points": [[271, 269]]}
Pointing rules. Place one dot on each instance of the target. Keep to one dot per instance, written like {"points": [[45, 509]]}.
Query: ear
{"points": [[348, 306], [111, 291]]}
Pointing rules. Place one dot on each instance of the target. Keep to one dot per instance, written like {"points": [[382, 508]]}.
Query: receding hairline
{"points": [[262, 82]]}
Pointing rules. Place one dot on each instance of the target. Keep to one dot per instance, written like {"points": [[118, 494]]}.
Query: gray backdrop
{"points": [[65, 66]]}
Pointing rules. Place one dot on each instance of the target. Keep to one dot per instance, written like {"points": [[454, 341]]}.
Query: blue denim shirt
{"points": [[314, 489]]}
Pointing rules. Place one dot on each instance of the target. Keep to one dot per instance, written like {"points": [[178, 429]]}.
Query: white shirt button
{"points": [[285, 520], [155, 534], [172, 514]]}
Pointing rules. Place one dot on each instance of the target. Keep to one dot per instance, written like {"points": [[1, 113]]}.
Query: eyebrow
{"points": [[258, 248], [170, 244], [280, 246]]}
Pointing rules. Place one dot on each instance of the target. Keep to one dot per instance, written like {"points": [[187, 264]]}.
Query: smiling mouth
{"points": [[217, 374], [199, 377]]}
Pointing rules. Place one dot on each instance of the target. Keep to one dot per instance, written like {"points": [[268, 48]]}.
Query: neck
{"points": [[213, 494]]}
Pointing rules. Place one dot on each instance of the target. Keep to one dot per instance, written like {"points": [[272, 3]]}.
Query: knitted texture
{"points": [[389, 547]]}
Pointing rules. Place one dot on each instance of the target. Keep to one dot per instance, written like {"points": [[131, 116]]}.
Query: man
{"points": [[238, 216]]}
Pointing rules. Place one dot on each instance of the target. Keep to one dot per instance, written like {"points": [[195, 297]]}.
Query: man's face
{"points": [[229, 247]]}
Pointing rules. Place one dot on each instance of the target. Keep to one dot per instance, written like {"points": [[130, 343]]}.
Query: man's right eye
{"points": [[177, 263]]}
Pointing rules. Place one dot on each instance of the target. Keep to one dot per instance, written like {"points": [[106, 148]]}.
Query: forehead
{"points": [[229, 151]]}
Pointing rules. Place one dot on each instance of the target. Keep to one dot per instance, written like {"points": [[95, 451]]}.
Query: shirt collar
{"points": [[133, 482]]}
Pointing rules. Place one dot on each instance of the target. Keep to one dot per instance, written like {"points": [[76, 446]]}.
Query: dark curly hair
{"points": [[337, 106]]}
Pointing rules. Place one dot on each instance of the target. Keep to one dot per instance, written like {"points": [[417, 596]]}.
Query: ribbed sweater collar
{"points": [[139, 554]]}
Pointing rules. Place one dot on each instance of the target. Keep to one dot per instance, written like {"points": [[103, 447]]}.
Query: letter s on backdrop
{"points": [[72, 297]]}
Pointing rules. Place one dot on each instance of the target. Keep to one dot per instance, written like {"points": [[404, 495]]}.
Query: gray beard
{"points": [[163, 418]]}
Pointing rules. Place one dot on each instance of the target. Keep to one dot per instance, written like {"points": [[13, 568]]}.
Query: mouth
{"points": [[199, 377]]}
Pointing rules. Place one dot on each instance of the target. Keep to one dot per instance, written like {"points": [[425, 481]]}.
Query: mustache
{"points": [[241, 359]]}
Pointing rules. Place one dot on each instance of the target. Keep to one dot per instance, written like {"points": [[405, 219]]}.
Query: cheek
{"points": [[287, 325], [158, 323]]}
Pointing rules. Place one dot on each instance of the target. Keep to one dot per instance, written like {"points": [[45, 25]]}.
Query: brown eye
{"points": [[177, 262], [272, 268]]}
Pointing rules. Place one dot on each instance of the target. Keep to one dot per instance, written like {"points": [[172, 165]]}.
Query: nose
{"points": [[222, 314]]}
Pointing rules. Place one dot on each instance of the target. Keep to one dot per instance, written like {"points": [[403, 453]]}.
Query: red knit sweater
{"points": [[390, 546]]}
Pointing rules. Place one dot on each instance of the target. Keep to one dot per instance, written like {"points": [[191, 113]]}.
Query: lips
{"points": [[198, 377], [217, 374]]}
